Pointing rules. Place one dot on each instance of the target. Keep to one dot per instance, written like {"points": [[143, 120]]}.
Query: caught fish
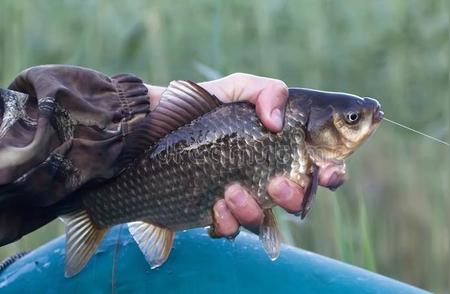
{"points": [[174, 184]]}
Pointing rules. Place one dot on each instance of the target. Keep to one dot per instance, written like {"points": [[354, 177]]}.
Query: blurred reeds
{"points": [[392, 215]]}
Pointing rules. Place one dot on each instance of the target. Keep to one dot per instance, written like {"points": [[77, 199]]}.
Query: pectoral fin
{"points": [[82, 239], [310, 193], [270, 235], [154, 242]]}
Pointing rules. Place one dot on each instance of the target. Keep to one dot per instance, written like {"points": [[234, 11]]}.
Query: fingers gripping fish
{"points": [[174, 184]]}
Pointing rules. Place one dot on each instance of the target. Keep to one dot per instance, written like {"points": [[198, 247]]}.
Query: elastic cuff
{"points": [[135, 104], [133, 96]]}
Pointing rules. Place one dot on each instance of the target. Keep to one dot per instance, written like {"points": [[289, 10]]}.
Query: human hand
{"points": [[268, 95], [239, 207]]}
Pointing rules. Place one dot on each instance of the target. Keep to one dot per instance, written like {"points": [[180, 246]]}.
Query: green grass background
{"points": [[392, 215]]}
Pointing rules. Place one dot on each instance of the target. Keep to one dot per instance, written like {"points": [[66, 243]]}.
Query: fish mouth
{"points": [[372, 105], [377, 114]]}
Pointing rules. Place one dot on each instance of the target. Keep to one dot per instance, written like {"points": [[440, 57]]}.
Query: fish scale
{"points": [[180, 186]]}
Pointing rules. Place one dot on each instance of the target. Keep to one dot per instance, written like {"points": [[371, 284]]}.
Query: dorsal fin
{"points": [[181, 103]]}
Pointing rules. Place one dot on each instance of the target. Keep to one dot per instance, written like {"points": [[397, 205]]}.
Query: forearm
{"points": [[74, 126], [154, 93]]}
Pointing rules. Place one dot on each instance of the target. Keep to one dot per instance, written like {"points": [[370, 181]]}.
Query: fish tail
{"points": [[82, 239]]}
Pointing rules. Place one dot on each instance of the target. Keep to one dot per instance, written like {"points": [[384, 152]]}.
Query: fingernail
{"points": [[283, 191], [277, 118], [238, 198], [334, 182], [212, 233], [333, 179], [221, 210]]}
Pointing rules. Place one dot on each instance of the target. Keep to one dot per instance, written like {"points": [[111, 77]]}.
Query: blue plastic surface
{"points": [[197, 264]]}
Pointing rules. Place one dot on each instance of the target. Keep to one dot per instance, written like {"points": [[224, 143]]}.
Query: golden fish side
{"points": [[174, 185]]}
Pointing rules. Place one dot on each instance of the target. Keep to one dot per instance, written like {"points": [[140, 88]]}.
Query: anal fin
{"points": [[154, 242], [269, 235], [82, 239]]}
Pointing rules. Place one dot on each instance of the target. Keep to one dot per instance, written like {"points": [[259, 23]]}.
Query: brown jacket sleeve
{"points": [[71, 128]]}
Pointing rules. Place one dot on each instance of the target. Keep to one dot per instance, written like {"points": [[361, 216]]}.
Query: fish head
{"points": [[338, 123]]}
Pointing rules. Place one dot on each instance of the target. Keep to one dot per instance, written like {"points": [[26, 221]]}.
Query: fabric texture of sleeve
{"points": [[71, 129]]}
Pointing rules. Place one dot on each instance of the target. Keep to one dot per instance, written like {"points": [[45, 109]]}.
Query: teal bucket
{"points": [[197, 264]]}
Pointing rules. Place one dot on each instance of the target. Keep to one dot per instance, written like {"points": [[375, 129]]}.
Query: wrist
{"points": [[154, 94]]}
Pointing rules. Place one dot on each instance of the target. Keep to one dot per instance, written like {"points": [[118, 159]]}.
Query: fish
{"points": [[199, 146]]}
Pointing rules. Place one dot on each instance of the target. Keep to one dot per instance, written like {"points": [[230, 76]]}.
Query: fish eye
{"points": [[352, 117]]}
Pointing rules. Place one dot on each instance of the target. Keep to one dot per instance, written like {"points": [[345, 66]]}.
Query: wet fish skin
{"points": [[174, 184], [177, 182]]}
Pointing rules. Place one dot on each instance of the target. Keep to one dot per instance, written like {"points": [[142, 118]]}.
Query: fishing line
{"points": [[417, 132]]}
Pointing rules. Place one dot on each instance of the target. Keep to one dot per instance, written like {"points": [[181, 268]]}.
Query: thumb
{"points": [[271, 105]]}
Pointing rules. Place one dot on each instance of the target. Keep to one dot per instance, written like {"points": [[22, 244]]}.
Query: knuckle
{"points": [[233, 189], [224, 222], [280, 87], [274, 182], [295, 204], [219, 206], [231, 193], [286, 194], [237, 76], [252, 216]]}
